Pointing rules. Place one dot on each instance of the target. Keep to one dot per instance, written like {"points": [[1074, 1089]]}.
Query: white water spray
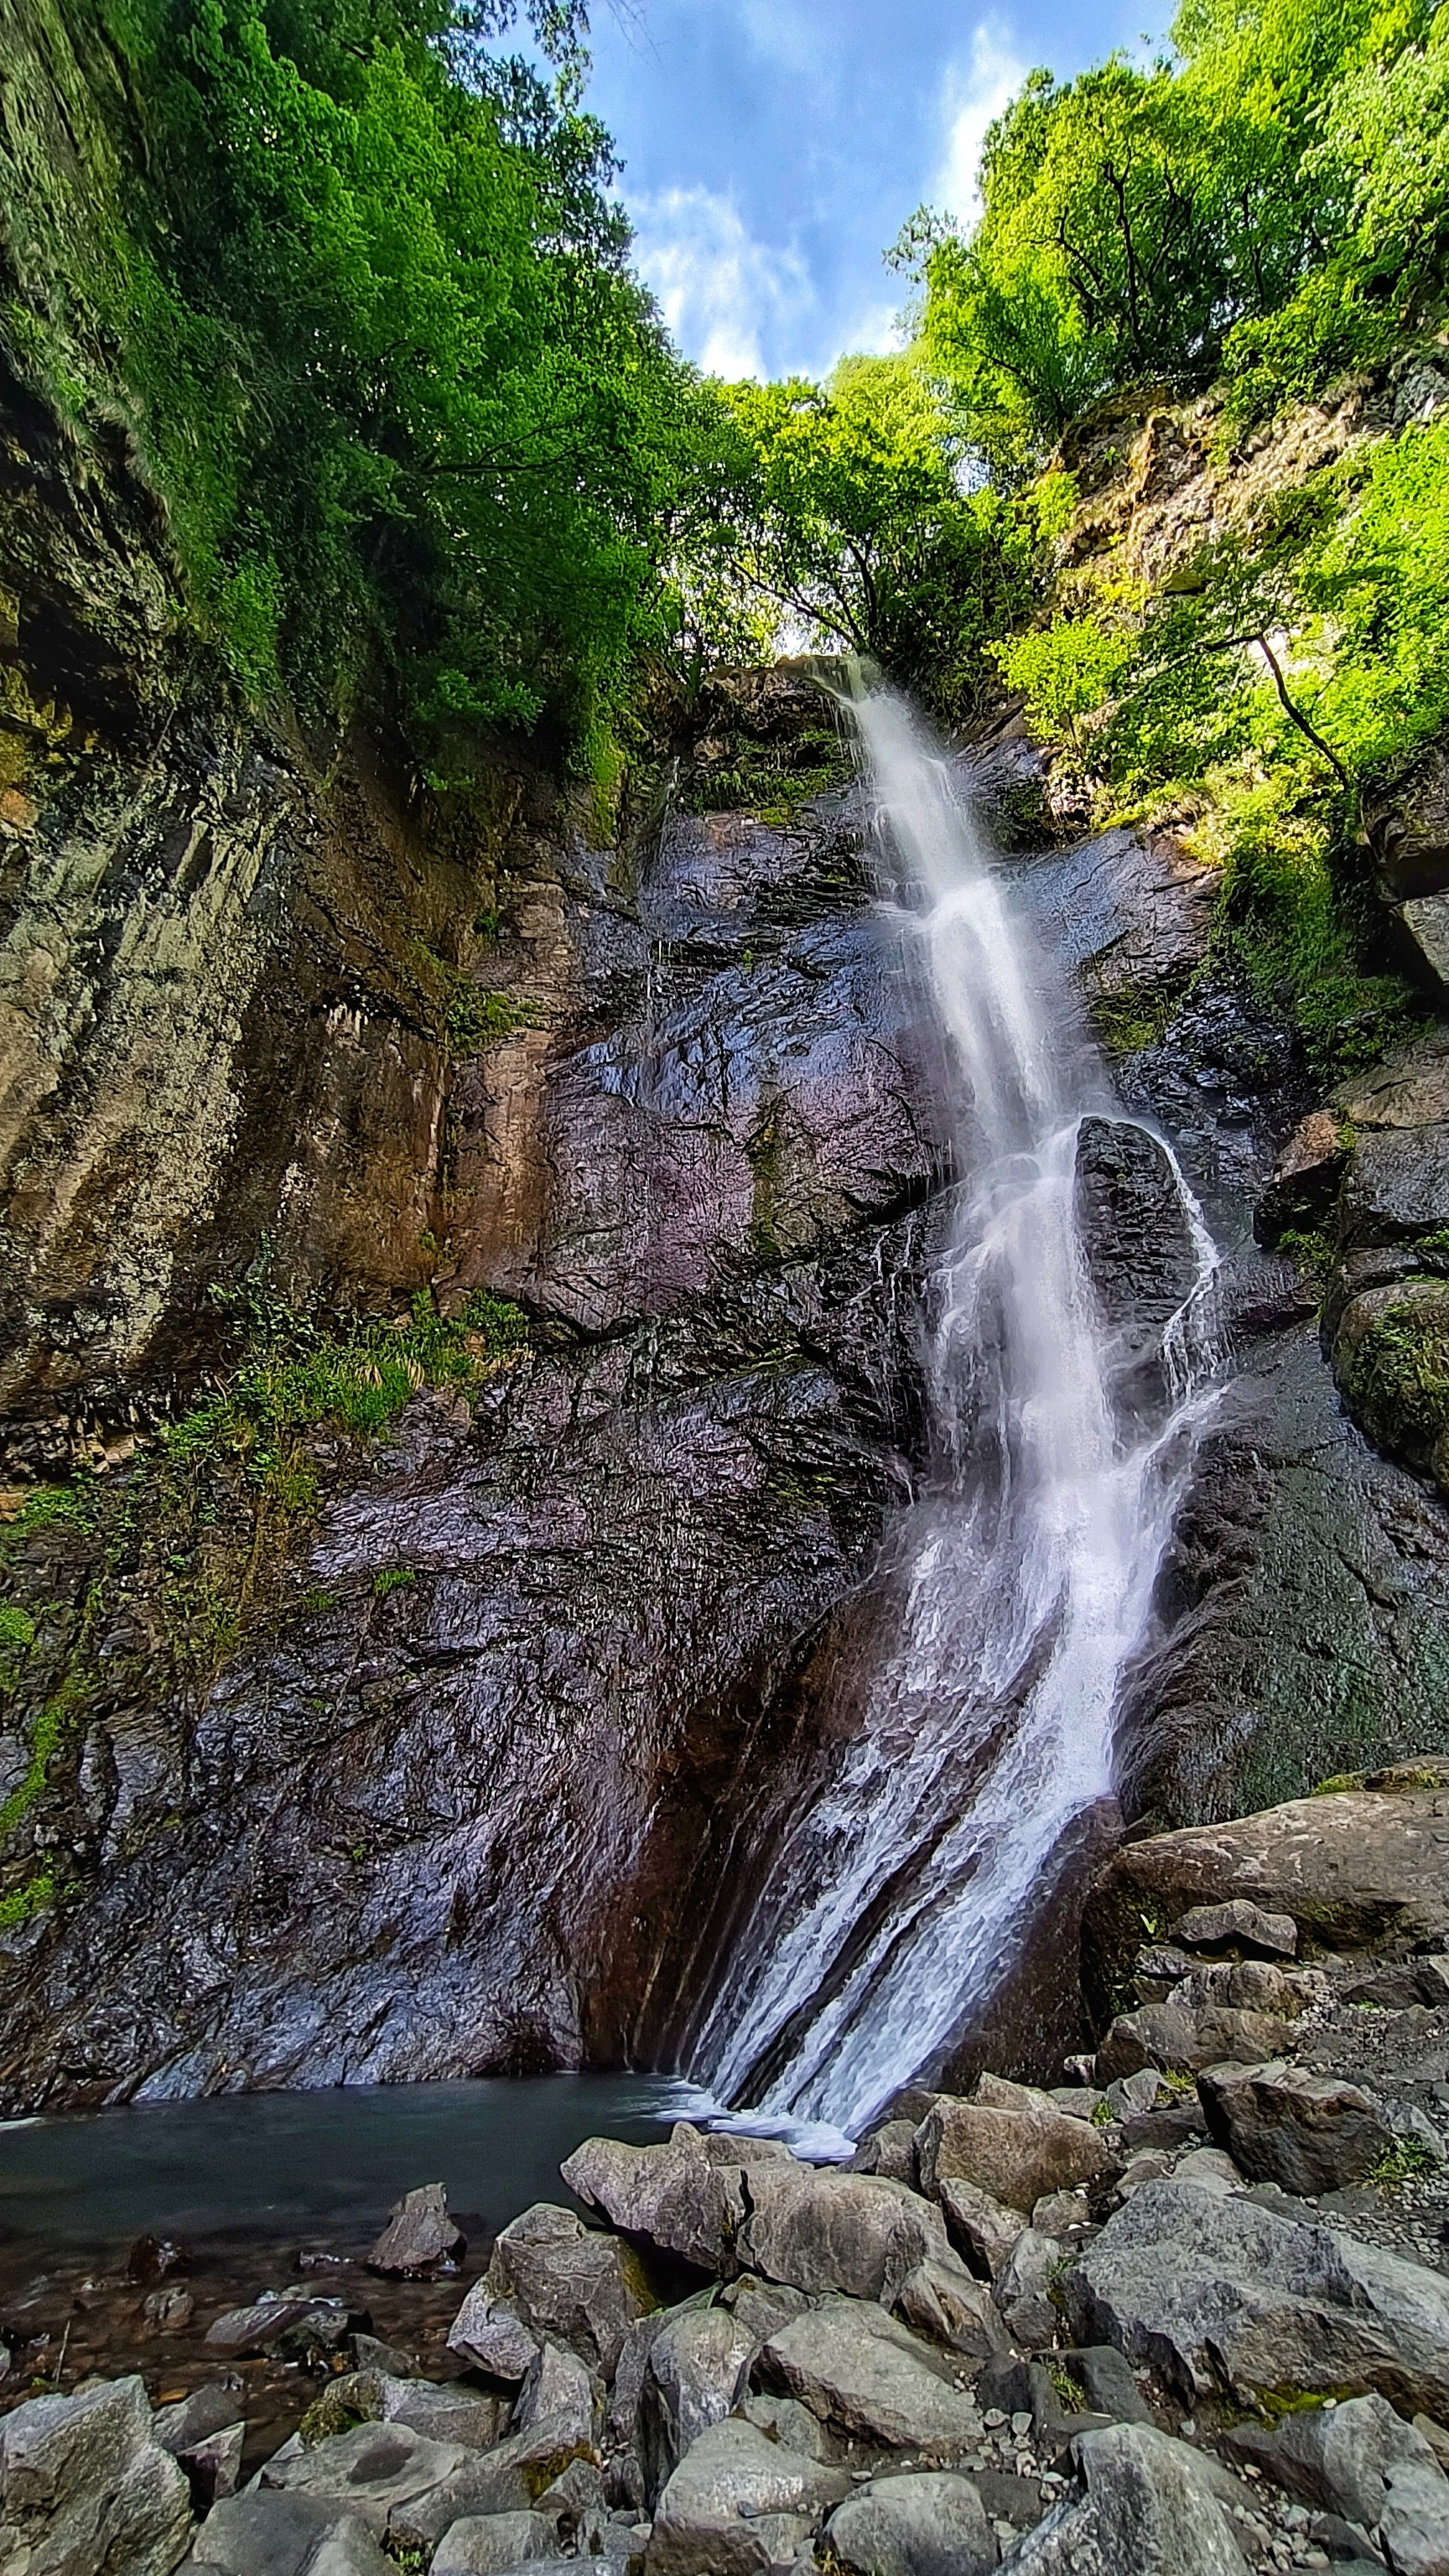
{"points": [[1027, 1562]]}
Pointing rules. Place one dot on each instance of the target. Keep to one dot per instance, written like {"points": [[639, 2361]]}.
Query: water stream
{"points": [[1022, 1573]]}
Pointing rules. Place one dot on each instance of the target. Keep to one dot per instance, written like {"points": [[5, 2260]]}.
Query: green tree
{"points": [[413, 420], [844, 509]]}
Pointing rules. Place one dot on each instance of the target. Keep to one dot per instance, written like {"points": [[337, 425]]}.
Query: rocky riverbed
{"points": [[1183, 2313]]}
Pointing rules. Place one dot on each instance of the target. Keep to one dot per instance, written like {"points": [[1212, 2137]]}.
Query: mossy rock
{"points": [[1391, 1359]]}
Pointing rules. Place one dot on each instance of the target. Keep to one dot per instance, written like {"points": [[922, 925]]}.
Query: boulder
{"points": [[574, 2283], [1081, 2101], [85, 2487], [1149, 2164], [828, 2230], [1107, 2383], [212, 2465], [1011, 2142], [1240, 1923], [445, 2413], [890, 2150], [920, 2523], [737, 2504], [1237, 2010], [1397, 1189], [418, 2236], [980, 2227], [1062, 2214], [1212, 2288], [1129, 2097], [1340, 2458], [1023, 2290], [1305, 1179], [264, 2534], [863, 2372], [942, 2299], [1152, 2507], [559, 2392], [398, 2480], [493, 2544], [191, 2419], [787, 2421], [1361, 1866], [371, 2353], [282, 2325], [696, 2370], [673, 2197], [489, 2334], [1307, 2133], [1209, 2168], [1414, 2524]]}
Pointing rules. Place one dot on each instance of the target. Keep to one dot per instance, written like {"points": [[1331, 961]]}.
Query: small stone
{"points": [[168, 2311]]}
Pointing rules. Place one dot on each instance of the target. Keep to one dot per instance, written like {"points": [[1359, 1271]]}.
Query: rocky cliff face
{"points": [[497, 1748]]}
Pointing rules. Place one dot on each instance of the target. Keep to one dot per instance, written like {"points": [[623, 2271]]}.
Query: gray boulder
{"points": [[787, 2421], [1237, 1920], [443, 2412], [397, 2480], [206, 2433], [919, 2523], [262, 2534], [490, 2334], [696, 2371], [192, 2418], [1106, 2381], [1307, 2133], [85, 2488], [419, 2234], [979, 2226], [212, 2466], [1022, 2291], [739, 2504], [1152, 2507], [943, 2300], [862, 2372], [889, 2150], [1414, 2524], [1339, 2458], [1237, 2011], [1062, 2214], [559, 2392], [571, 2282], [673, 2197], [1207, 2287], [1011, 2141], [828, 2230], [493, 2544], [286, 2327]]}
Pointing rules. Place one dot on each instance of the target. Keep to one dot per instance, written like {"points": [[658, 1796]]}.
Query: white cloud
{"points": [[872, 330], [973, 93], [722, 292]]}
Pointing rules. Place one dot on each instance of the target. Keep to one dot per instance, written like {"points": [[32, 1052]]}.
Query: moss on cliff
{"points": [[140, 1583]]}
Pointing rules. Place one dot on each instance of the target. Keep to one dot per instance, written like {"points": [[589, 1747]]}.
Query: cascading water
{"points": [[1027, 1561]]}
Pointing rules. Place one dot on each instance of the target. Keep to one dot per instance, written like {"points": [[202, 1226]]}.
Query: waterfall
{"points": [[1024, 1568]]}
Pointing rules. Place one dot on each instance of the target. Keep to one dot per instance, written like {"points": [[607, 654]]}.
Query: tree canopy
{"points": [[1271, 202], [407, 407]]}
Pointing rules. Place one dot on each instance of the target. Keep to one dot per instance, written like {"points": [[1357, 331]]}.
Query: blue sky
{"points": [[773, 148]]}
